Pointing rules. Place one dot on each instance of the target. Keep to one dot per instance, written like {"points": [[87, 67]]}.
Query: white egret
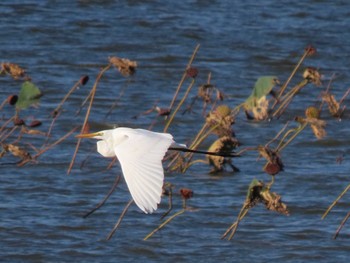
{"points": [[140, 153]]}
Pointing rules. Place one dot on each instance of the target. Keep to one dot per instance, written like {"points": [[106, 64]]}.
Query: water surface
{"points": [[57, 42]]}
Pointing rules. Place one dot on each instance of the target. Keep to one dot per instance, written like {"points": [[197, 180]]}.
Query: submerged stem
{"points": [[335, 202], [164, 223], [120, 219]]}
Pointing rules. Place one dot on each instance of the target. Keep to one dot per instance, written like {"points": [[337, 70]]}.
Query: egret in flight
{"points": [[140, 154]]}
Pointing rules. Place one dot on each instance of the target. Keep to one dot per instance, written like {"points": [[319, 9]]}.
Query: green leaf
{"points": [[262, 87], [29, 95]]}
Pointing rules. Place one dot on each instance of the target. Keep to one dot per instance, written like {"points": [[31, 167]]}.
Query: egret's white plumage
{"points": [[140, 153]]}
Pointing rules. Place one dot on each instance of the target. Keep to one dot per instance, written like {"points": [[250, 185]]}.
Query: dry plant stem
{"points": [[164, 223], [110, 192], [269, 185], [236, 109], [93, 149], [335, 202], [247, 149], [5, 136], [234, 226], [49, 147], [278, 134], [237, 223], [205, 104], [199, 134], [179, 105], [285, 85], [84, 102], [184, 76], [282, 145], [112, 163], [194, 145], [294, 90], [3, 104], [121, 93], [341, 225], [92, 95], [288, 98], [120, 219], [76, 85], [173, 160], [197, 161], [326, 92], [199, 140], [51, 126], [344, 96], [170, 204], [7, 122]]}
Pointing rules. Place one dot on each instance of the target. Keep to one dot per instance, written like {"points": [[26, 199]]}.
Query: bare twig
{"points": [[48, 147], [234, 226], [183, 77], [120, 219], [341, 225], [285, 85], [179, 105], [164, 223], [99, 205], [335, 202], [92, 95]]}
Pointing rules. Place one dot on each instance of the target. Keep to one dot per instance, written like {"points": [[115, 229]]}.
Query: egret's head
{"points": [[105, 143]]}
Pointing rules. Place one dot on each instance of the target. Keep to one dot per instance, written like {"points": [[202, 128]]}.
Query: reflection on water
{"points": [[58, 42]]}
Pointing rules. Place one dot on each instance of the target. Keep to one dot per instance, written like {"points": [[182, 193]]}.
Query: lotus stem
{"points": [[92, 95], [335, 202]]}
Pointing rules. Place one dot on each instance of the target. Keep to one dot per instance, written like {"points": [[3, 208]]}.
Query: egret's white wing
{"points": [[140, 154]]}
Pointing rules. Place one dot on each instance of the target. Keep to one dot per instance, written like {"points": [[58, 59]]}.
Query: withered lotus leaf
{"points": [[16, 151], [125, 66], [15, 71], [225, 144]]}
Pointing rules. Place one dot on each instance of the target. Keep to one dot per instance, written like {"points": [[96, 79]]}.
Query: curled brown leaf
{"points": [[125, 66]]}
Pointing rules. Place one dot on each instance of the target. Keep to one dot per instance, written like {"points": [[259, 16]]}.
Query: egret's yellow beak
{"points": [[88, 135]]}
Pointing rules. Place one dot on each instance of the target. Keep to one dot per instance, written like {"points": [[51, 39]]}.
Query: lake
{"points": [[58, 42]]}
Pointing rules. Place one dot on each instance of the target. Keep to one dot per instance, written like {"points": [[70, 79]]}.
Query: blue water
{"points": [[57, 42]]}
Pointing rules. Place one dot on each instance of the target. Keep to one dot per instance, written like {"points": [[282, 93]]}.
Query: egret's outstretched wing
{"points": [[140, 154]]}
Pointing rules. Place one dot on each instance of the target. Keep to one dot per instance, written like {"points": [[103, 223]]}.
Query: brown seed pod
{"points": [[12, 99], [192, 72], [272, 168], [186, 193], [35, 123], [18, 122], [310, 50], [84, 80]]}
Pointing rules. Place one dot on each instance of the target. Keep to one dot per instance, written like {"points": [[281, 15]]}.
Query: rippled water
{"points": [[57, 42]]}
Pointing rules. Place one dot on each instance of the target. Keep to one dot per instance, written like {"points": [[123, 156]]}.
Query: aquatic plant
{"points": [[270, 98]]}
